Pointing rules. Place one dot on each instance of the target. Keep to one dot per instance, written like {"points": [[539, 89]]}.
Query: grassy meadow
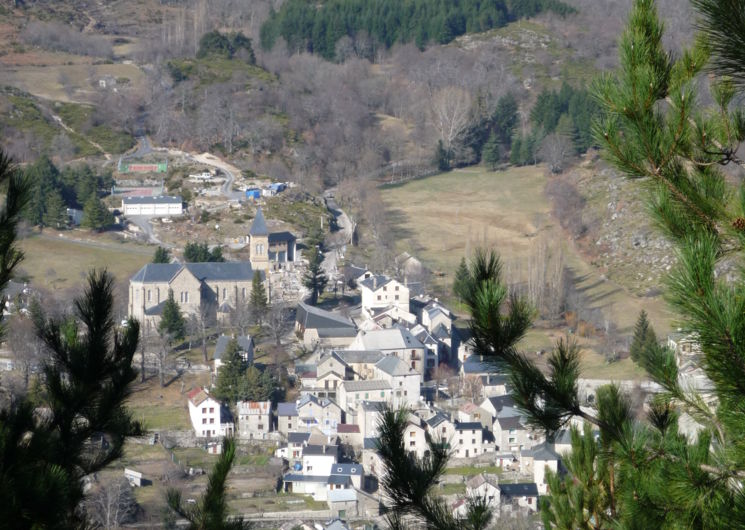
{"points": [[441, 219]]}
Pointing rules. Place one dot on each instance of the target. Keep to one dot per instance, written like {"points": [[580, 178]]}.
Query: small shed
{"points": [[253, 194], [134, 477]]}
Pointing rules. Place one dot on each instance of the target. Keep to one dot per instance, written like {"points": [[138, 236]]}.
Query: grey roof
{"points": [[245, 344], [499, 402], [563, 436], [437, 419], [294, 477], [297, 437], [360, 356], [441, 332], [376, 281], [157, 272], [366, 384], [332, 355], [394, 366], [467, 426], [510, 423], [347, 469], [519, 490], [157, 199], [313, 318], [164, 272], [475, 365], [336, 524], [542, 451], [156, 309], [396, 338], [494, 379], [353, 272], [508, 412], [258, 227], [372, 406], [370, 443], [276, 237], [286, 409], [331, 450], [228, 270], [339, 479], [337, 332], [424, 336]]}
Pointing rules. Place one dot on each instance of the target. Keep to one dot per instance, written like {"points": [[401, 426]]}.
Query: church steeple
{"points": [[258, 227], [258, 242]]}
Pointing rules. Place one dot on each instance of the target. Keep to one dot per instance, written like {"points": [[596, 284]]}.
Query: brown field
{"points": [[59, 263], [44, 81], [443, 218]]}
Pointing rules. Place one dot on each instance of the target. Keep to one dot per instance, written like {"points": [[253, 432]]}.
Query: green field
{"points": [[443, 218]]}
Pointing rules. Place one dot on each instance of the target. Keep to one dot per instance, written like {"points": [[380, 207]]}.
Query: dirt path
{"points": [[62, 124]]}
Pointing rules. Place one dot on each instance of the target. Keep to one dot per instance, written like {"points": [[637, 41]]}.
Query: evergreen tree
{"points": [[200, 253], [95, 215], [442, 157], [211, 512], [256, 385], [42, 176], [315, 278], [86, 383], [505, 118], [55, 211], [491, 154], [258, 303], [162, 255], [461, 276], [171, 320], [644, 337], [230, 374]]}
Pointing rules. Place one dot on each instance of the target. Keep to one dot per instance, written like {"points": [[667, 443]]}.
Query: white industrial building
{"points": [[161, 205]]}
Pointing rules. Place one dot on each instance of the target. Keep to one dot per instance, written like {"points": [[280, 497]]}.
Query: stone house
{"points": [[351, 393], [323, 413], [535, 461], [254, 419], [287, 418], [361, 362]]}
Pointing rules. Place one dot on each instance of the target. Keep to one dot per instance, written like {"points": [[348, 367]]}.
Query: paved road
{"points": [[143, 221], [341, 237]]}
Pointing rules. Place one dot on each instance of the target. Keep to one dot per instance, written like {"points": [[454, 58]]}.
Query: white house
{"points": [[380, 291], [441, 428], [415, 437], [405, 381], [318, 459], [254, 419], [535, 461], [209, 417], [368, 418], [485, 487], [160, 205], [469, 439]]}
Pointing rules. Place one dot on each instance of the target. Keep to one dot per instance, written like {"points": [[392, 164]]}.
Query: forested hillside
{"points": [[307, 26]]}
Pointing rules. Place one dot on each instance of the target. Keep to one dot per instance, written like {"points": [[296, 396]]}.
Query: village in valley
{"points": [[286, 205], [324, 367]]}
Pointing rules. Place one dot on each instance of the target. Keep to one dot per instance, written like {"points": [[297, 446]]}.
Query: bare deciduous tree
{"points": [[439, 374], [473, 387], [111, 504], [26, 346], [279, 321], [556, 149], [450, 110]]}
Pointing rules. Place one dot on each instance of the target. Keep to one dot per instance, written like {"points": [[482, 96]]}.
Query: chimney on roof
{"points": [[324, 448]]}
